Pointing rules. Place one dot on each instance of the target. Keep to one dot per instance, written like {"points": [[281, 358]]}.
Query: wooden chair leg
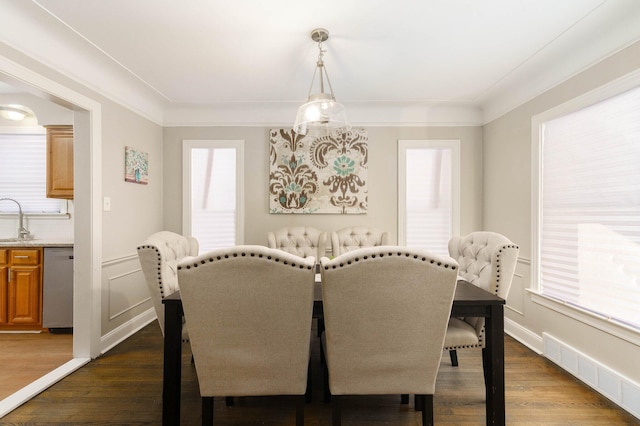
{"points": [[320, 326], [207, 411], [229, 401], [454, 357], [418, 401], [404, 398], [308, 395], [427, 411], [325, 374], [300, 410], [336, 415]]}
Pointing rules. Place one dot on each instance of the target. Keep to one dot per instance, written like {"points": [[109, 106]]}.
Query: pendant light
{"points": [[321, 114]]}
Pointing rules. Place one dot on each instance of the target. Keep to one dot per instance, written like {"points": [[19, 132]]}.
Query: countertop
{"points": [[37, 243]]}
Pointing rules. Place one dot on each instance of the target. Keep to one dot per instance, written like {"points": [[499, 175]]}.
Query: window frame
{"points": [[63, 203], [238, 145], [403, 146], [600, 322]]}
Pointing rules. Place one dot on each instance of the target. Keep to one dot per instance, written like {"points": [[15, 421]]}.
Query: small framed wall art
{"points": [[136, 166]]}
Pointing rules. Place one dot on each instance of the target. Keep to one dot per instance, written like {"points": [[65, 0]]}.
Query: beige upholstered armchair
{"points": [[487, 260], [386, 310], [159, 256], [302, 241], [356, 237], [249, 310]]}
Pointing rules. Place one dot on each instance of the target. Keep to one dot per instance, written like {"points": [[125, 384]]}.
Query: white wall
{"points": [[136, 212], [507, 209], [382, 176]]}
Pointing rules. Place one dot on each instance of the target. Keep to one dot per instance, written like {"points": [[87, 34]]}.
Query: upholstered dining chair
{"points": [[487, 260], [249, 310], [357, 237], [159, 255], [302, 241], [386, 310]]}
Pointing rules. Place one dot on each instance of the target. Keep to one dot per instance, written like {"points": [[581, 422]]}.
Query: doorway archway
{"points": [[87, 224]]}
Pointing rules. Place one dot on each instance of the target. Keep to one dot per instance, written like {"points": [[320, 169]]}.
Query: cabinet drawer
{"points": [[25, 257], [4, 256]]}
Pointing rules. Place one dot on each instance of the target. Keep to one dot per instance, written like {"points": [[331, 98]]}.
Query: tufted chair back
{"points": [[386, 310], [487, 260], [357, 237], [159, 255], [249, 310], [303, 241]]}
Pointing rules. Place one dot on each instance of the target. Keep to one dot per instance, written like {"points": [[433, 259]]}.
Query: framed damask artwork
{"points": [[136, 166], [318, 174]]}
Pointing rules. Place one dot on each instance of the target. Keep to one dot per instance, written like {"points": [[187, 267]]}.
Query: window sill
{"points": [[48, 216], [599, 322]]}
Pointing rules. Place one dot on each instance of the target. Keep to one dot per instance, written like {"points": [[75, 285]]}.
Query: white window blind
{"points": [[23, 162], [428, 193], [590, 224], [212, 210]]}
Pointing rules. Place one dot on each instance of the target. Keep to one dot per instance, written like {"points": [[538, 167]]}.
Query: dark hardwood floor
{"points": [[124, 387]]}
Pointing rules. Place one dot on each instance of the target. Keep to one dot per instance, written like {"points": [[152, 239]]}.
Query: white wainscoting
{"points": [[126, 305]]}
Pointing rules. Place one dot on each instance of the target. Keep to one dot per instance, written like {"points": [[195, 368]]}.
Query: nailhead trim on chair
{"points": [[244, 254], [498, 264], [481, 335], [159, 270], [373, 256]]}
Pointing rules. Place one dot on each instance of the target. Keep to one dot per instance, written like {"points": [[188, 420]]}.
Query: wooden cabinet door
{"points": [[60, 162], [25, 297], [21, 289], [4, 282], [4, 294]]}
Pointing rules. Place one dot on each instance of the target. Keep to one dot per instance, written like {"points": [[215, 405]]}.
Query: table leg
{"points": [[172, 364], [493, 363]]}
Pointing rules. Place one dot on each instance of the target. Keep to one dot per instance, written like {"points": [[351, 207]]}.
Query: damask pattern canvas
{"points": [[325, 174]]}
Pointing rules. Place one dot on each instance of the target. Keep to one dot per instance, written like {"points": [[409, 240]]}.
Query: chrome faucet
{"points": [[23, 234]]}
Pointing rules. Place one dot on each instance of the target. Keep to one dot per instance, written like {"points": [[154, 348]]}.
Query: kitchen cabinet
{"points": [[60, 162], [20, 288]]}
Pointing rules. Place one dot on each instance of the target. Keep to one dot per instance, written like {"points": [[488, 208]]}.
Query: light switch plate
{"points": [[106, 204]]}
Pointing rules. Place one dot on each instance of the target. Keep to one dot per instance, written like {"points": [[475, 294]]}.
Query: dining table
{"points": [[468, 301]]}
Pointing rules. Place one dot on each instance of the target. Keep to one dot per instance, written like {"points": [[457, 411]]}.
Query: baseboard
{"points": [[611, 384], [121, 333], [523, 335], [13, 401]]}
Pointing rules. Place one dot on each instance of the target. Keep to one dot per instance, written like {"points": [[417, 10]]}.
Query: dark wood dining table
{"points": [[469, 301]]}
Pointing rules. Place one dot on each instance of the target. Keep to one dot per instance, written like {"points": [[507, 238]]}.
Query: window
{"points": [[23, 165], [429, 193], [213, 192], [587, 233]]}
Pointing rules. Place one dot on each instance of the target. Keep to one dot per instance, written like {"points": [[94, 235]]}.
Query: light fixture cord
{"points": [[323, 72]]}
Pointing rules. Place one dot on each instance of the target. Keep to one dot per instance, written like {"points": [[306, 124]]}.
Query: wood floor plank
{"points": [[124, 387], [25, 357]]}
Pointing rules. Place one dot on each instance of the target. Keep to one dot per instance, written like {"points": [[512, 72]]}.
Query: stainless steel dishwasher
{"points": [[57, 295]]}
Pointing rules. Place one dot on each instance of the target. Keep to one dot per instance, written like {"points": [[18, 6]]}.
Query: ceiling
{"points": [[250, 62]]}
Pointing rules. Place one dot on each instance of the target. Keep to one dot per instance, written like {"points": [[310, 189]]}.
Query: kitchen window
{"points": [[23, 159]]}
